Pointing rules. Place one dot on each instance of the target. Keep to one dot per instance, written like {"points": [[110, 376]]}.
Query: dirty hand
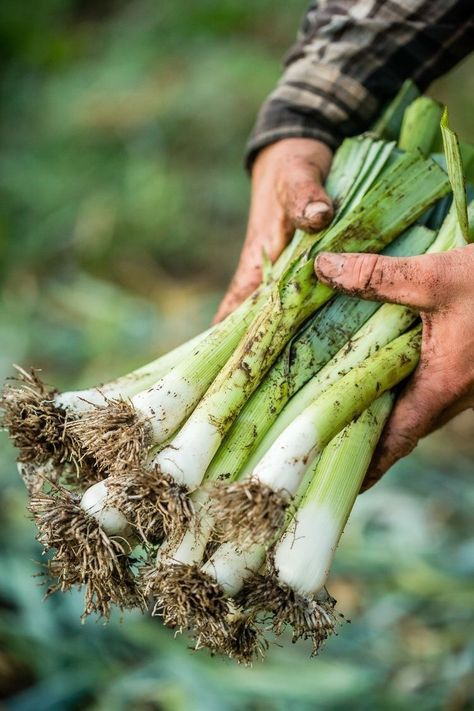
{"points": [[441, 288], [287, 193]]}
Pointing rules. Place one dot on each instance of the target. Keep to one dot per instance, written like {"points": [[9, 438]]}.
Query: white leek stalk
{"points": [[119, 435], [36, 416], [78, 401], [190, 548], [230, 566], [200, 598], [92, 543], [303, 557], [95, 503], [293, 587]]}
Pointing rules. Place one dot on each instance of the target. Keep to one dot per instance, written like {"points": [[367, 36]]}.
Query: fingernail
{"points": [[331, 265], [313, 210]]}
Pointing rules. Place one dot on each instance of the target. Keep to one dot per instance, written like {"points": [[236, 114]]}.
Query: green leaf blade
{"points": [[455, 172]]}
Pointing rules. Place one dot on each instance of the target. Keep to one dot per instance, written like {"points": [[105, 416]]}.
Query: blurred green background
{"points": [[122, 210]]}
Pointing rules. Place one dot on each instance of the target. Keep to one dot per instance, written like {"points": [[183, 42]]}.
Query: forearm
{"points": [[351, 57]]}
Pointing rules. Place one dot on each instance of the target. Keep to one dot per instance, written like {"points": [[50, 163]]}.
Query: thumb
{"points": [[411, 281], [305, 201]]}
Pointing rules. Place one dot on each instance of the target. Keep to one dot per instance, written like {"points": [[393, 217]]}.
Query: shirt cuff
{"points": [[316, 100], [276, 123]]}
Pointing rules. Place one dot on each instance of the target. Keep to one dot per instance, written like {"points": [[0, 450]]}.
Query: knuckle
{"points": [[366, 271]]}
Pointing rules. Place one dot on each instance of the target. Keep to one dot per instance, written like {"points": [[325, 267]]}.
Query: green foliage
{"points": [[122, 211]]}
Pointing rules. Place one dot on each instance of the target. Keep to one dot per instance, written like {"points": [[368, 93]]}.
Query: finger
{"points": [[303, 164], [415, 414], [420, 282], [305, 201]]}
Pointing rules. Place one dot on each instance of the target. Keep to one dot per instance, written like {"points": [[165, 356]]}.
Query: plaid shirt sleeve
{"points": [[351, 57]]}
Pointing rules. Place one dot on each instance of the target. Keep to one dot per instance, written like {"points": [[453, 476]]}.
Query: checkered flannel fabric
{"points": [[352, 56]]}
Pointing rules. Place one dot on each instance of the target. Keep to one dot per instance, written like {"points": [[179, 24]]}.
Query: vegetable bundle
{"points": [[214, 483]]}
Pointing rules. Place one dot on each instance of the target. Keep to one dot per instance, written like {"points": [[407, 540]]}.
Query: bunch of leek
{"points": [[223, 473]]}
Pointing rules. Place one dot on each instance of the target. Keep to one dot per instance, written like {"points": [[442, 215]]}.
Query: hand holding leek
{"points": [[217, 480]]}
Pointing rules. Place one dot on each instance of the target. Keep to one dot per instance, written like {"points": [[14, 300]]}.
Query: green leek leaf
{"points": [[455, 173]]}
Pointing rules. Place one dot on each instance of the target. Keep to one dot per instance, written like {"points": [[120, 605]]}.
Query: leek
{"points": [[420, 126], [35, 415], [84, 555], [235, 460], [294, 588]]}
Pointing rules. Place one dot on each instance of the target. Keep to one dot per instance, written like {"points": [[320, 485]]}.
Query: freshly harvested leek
{"points": [[293, 586], [92, 543], [223, 473], [191, 594], [84, 554]]}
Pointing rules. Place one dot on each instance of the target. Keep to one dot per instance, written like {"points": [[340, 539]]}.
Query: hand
{"points": [[441, 287], [287, 193]]}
